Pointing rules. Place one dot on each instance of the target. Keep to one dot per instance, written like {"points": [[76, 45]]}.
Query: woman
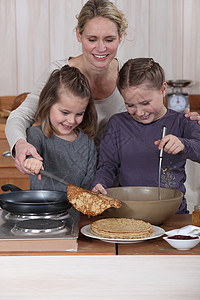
{"points": [[100, 29]]}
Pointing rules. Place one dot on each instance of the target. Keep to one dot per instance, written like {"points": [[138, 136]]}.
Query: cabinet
{"points": [[194, 101], [8, 172]]}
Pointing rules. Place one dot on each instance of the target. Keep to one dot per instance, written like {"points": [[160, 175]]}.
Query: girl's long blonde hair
{"points": [[72, 79]]}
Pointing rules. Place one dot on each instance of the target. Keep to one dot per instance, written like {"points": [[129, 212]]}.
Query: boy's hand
{"points": [[99, 188], [34, 166], [170, 143]]}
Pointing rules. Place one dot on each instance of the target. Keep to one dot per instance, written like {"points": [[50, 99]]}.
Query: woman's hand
{"points": [[34, 166], [170, 144], [99, 188], [22, 150], [193, 115]]}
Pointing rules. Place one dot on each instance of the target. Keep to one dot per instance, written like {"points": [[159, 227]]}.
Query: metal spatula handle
{"points": [[52, 176], [164, 131]]}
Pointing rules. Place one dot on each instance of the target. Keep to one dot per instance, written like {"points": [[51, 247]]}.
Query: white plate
{"points": [[158, 231]]}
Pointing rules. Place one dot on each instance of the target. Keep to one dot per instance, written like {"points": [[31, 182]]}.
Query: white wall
{"points": [[34, 33]]}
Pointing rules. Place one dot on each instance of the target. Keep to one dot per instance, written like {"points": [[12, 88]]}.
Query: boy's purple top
{"points": [[128, 148]]}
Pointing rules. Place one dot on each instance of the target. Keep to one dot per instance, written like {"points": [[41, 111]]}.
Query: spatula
{"points": [[52, 176], [87, 202]]}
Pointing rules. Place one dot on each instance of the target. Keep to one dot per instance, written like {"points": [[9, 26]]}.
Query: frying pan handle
{"points": [[10, 187], [47, 174]]}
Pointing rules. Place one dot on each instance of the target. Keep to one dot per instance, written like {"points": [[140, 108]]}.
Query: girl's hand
{"points": [[192, 115], [22, 149], [99, 188], [33, 165], [170, 143]]}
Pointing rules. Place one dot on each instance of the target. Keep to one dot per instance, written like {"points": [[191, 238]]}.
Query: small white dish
{"points": [[182, 244]]}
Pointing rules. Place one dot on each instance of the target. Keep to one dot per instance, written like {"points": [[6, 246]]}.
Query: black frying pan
{"points": [[33, 201]]}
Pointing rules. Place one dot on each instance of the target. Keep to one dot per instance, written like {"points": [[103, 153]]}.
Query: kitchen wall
{"points": [[34, 33]]}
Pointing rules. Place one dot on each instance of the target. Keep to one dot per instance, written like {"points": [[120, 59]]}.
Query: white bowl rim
{"points": [[182, 244]]}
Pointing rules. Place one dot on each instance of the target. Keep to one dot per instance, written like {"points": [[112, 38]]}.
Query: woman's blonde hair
{"points": [[102, 8], [135, 71], [72, 79]]}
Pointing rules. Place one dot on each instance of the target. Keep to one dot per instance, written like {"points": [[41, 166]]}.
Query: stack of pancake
{"points": [[122, 228]]}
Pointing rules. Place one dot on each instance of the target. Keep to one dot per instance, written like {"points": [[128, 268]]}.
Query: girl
{"points": [[64, 138], [131, 144]]}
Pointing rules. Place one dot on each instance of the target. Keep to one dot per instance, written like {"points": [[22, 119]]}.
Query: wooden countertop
{"points": [[159, 246], [89, 246]]}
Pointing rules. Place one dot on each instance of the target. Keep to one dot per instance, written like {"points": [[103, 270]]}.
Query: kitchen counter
{"points": [[85, 246], [90, 274], [156, 246], [160, 246], [89, 246]]}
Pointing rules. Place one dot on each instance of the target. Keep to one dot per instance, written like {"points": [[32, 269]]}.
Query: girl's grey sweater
{"points": [[75, 162]]}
